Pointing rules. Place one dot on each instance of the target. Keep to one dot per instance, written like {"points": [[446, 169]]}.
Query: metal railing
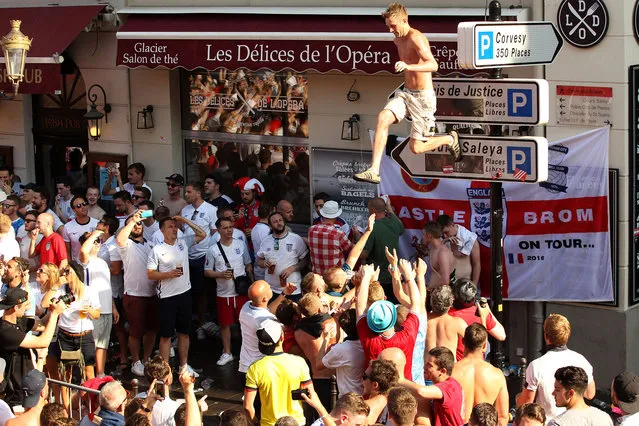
{"points": [[67, 397]]}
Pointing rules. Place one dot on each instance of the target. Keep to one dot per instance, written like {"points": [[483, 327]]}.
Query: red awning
{"points": [[52, 29], [320, 39]]}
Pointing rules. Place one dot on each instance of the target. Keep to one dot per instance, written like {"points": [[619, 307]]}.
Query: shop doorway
{"points": [[60, 134]]}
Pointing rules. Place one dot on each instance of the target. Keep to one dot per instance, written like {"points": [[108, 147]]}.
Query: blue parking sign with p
{"points": [[518, 158], [485, 45], [520, 102]]}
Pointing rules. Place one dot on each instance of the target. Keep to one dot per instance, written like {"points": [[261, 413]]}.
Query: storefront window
{"points": [[246, 102], [249, 123], [283, 170]]}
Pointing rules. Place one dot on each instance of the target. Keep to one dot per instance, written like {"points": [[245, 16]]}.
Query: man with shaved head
{"points": [[286, 210], [51, 248], [395, 355], [256, 310]]}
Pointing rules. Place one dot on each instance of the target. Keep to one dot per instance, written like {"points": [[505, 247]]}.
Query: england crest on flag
{"points": [[479, 200]]}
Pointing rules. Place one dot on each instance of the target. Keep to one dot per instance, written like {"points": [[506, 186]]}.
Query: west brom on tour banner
{"points": [[556, 233]]}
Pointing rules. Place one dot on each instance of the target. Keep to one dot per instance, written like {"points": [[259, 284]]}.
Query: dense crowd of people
{"points": [[407, 342]]}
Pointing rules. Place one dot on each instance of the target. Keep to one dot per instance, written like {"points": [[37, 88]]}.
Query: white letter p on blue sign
{"points": [[485, 45]]}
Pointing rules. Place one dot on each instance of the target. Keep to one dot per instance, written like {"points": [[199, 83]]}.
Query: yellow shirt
{"points": [[275, 376]]}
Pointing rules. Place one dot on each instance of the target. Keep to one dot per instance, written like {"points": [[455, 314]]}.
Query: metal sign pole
{"points": [[496, 226]]}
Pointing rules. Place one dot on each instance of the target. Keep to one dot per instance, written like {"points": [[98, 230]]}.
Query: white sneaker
{"points": [[195, 374], [201, 334], [138, 368], [224, 359]]}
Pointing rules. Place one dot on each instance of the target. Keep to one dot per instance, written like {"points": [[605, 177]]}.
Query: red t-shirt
{"points": [[448, 410], [51, 249], [468, 315], [404, 339]]}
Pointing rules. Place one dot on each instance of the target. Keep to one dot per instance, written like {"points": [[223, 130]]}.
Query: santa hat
{"points": [[247, 183]]}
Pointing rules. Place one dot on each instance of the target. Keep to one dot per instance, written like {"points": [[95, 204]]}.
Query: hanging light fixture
{"points": [[145, 117], [94, 117], [350, 128], [15, 46]]}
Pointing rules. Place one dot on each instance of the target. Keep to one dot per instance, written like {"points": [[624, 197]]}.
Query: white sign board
{"points": [[523, 159], [506, 44], [584, 105], [490, 101]]}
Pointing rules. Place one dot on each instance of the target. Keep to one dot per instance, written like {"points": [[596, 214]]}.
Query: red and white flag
{"points": [[556, 233]]}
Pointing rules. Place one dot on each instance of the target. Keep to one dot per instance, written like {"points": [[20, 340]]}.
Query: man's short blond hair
{"points": [[5, 223], [557, 329], [375, 292], [310, 304], [395, 10]]}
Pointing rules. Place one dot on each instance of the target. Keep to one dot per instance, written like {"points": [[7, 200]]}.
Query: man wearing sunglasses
{"points": [[10, 207], [173, 199], [140, 193], [28, 226], [74, 229], [283, 254]]}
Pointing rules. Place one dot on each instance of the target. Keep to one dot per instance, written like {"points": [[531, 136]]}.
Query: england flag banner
{"points": [[556, 233]]}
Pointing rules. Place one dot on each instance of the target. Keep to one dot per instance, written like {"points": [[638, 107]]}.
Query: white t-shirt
{"points": [[259, 231], [98, 277], [72, 232], [250, 319], [158, 237], [57, 223], [237, 255], [205, 218], [9, 248], [70, 320], [291, 249], [164, 258], [540, 377], [164, 412], [148, 231], [5, 412], [109, 253], [591, 416], [134, 257], [129, 187], [66, 210], [466, 240], [349, 362], [627, 420], [24, 251]]}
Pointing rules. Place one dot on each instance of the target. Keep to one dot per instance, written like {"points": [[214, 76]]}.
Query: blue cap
{"points": [[381, 316], [32, 384]]}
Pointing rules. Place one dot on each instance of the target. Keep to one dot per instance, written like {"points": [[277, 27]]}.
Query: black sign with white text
{"points": [[583, 23]]}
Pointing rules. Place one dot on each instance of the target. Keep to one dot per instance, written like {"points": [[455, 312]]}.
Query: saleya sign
{"points": [[344, 55]]}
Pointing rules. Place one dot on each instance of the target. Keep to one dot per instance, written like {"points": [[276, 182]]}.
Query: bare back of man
{"points": [[417, 99], [444, 330], [481, 382], [442, 262]]}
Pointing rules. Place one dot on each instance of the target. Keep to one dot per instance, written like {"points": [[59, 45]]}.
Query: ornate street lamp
{"points": [[15, 46], [94, 117]]}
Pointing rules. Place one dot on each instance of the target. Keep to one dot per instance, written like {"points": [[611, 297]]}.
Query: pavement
{"points": [[227, 388]]}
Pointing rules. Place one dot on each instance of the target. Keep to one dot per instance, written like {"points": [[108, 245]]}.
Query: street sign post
{"points": [[503, 159], [492, 101], [506, 44]]}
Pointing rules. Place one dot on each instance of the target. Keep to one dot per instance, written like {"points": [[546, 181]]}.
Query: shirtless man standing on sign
{"points": [[417, 99]]}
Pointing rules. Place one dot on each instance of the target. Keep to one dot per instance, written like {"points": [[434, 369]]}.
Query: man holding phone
{"points": [[280, 380]]}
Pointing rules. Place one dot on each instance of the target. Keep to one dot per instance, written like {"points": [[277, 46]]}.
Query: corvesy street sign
{"points": [[490, 101], [506, 44], [520, 159]]}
